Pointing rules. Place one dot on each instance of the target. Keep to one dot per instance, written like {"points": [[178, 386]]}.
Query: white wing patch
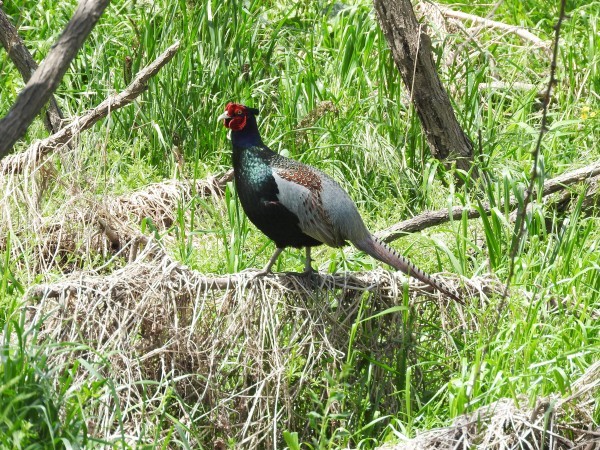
{"points": [[307, 205]]}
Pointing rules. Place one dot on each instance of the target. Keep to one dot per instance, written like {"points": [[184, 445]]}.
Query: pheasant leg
{"points": [[267, 269]]}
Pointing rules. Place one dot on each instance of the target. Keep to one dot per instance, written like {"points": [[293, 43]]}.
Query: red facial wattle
{"points": [[236, 123], [237, 116]]}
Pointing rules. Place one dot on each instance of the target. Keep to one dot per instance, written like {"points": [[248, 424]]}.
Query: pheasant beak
{"points": [[224, 116]]}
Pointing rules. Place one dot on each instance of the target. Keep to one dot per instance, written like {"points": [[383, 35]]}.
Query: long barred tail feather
{"points": [[379, 250]]}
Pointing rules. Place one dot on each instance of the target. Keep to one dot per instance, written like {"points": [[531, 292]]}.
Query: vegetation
{"points": [[329, 96]]}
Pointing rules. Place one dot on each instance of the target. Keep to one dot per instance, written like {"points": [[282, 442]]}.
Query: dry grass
{"points": [[245, 349], [86, 227], [231, 345], [552, 423]]}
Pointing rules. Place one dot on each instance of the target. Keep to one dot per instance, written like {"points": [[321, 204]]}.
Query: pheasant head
{"points": [[236, 116]]}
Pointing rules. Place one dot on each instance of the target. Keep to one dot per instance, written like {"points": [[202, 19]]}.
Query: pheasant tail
{"points": [[377, 249]]}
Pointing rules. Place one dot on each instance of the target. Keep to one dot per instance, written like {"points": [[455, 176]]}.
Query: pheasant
{"points": [[296, 205]]}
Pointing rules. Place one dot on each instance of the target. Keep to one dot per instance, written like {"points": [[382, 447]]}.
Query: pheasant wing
{"points": [[300, 189]]}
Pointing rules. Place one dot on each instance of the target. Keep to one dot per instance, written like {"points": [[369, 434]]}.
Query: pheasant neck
{"points": [[247, 136]]}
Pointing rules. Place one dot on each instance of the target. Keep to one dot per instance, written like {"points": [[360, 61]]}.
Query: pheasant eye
{"points": [[239, 112]]}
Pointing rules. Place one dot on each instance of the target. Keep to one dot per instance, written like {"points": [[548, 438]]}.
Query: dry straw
{"points": [[242, 348]]}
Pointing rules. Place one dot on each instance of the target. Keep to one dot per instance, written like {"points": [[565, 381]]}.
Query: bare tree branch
{"points": [[488, 23], [350, 281], [20, 56], [154, 256], [496, 85], [432, 218], [47, 77], [16, 163]]}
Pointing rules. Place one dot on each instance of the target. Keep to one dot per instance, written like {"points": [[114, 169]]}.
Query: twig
{"points": [[488, 23], [16, 163], [511, 86], [432, 218], [519, 226], [47, 77], [110, 232], [20, 56], [501, 85], [520, 221]]}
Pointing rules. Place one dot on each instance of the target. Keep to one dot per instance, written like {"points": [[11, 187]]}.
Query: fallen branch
{"points": [[512, 86], [38, 150], [504, 86], [155, 258], [20, 56], [360, 281], [488, 23], [432, 218], [566, 199], [47, 77]]}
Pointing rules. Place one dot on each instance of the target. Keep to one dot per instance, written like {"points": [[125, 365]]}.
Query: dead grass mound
{"points": [[85, 228], [553, 423], [243, 350]]}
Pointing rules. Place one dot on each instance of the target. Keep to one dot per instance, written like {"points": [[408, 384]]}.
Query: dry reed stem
{"points": [[450, 30], [494, 24]]}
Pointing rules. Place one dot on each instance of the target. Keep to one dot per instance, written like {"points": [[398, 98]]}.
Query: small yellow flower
{"points": [[585, 112]]}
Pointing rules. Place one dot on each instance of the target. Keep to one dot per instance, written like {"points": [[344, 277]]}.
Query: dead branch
{"points": [[47, 77], [566, 198], [20, 56], [574, 176], [38, 150], [154, 254], [360, 281], [488, 23], [432, 218], [503, 86]]}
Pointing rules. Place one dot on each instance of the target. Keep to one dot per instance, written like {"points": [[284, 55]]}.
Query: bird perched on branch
{"points": [[297, 205]]}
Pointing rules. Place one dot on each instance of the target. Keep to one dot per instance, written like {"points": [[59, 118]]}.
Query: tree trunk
{"points": [[411, 50], [20, 56]]}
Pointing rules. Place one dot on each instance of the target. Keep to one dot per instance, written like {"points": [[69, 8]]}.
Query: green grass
{"points": [[287, 58], [39, 408]]}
